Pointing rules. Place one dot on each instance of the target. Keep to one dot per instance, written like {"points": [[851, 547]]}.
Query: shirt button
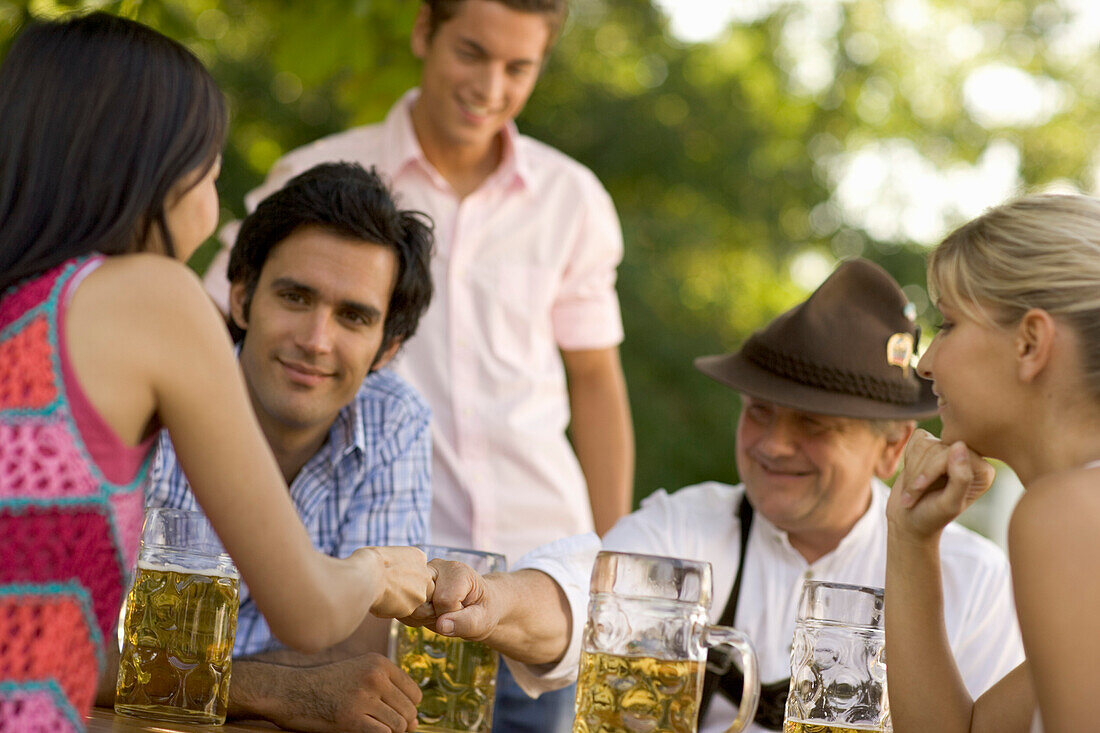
{"points": [[807, 575]]}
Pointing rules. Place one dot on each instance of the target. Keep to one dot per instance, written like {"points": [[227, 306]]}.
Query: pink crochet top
{"points": [[70, 514]]}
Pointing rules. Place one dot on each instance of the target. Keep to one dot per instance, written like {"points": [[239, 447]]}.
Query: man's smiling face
{"points": [[806, 472], [480, 66], [314, 326]]}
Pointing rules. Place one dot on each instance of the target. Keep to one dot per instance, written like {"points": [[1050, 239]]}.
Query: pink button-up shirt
{"points": [[523, 266]]}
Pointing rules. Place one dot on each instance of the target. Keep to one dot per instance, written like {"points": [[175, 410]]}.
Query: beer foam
{"points": [[173, 568]]}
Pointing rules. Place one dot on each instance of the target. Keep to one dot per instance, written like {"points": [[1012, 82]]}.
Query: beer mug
{"points": [[179, 624], [838, 667], [644, 648], [458, 677]]}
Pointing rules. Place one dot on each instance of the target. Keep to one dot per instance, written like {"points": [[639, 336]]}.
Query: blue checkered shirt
{"points": [[368, 485]]}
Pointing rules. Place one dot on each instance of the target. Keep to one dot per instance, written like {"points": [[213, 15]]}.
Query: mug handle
{"points": [[750, 695]]}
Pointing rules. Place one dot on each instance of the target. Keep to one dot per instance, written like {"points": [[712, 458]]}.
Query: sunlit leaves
{"points": [[812, 131]]}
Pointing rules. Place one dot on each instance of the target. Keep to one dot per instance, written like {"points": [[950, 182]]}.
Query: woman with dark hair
{"points": [[109, 148]]}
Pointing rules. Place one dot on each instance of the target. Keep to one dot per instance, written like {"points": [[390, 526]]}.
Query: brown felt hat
{"points": [[846, 351]]}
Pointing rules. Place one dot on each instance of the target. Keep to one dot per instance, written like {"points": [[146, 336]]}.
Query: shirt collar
{"points": [[346, 441], [347, 436], [403, 148], [515, 165], [863, 527]]}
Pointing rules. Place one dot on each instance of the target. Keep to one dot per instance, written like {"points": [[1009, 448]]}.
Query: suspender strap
{"points": [[721, 675], [718, 660]]}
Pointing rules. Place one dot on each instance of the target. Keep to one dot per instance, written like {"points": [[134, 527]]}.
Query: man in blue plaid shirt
{"points": [[328, 279]]}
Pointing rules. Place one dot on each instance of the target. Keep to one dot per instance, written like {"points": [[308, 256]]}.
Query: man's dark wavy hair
{"points": [[350, 202]]}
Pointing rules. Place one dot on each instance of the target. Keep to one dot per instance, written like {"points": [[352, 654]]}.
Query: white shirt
{"points": [[700, 522], [522, 267]]}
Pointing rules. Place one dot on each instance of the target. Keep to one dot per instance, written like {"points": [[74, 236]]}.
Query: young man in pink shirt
{"points": [[522, 337]]}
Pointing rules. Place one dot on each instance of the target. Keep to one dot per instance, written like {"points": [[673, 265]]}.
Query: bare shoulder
{"points": [[147, 308], [1054, 544], [143, 289], [143, 275], [132, 322], [1059, 513]]}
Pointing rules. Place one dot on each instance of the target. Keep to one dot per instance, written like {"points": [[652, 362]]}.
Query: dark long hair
{"points": [[100, 117]]}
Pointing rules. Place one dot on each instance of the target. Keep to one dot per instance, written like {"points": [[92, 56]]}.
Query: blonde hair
{"points": [[1039, 251]]}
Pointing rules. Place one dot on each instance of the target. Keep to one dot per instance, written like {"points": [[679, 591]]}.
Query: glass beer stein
{"points": [[458, 677], [644, 648], [838, 667], [179, 623]]}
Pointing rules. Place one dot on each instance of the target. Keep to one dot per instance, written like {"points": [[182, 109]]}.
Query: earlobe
{"points": [[383, 357], [1034, 343], [893, 450], [421, 32], [237, 295]]}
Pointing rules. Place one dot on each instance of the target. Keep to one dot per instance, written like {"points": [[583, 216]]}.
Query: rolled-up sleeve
{"points": [[981, 618], [586, 312], [569, 563]]}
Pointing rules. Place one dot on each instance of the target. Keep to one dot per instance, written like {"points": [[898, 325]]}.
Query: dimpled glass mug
{"points": [[458, 677], [179, 623], [838, 664], [644, 648]]}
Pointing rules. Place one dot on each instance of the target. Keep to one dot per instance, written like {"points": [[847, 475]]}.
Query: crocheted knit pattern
{"points": [[25, 375], [69, 535], [46, 637], [34, 710]]}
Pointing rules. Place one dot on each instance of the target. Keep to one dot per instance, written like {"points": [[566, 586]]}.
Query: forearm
{"points": [[366, 692], [371, 636], [603, 438], [258, 687], [286, 695], [309, 600], [339, 592], [926, 690], [535, 622], [291, 658]]}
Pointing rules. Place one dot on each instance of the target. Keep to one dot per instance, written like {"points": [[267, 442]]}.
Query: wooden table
{"points": [[105, 720]]}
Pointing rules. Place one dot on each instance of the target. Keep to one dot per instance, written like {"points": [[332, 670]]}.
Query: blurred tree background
{"points": [[746, 154]]}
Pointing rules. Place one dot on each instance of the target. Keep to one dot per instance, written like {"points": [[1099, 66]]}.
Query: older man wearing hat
{"points": [[829, 401]]}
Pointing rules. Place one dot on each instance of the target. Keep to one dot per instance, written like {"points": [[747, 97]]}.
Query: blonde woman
{"points": [[1016, 367]]}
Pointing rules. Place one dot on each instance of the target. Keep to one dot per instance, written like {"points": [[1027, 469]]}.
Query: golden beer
{"points": [[458, 679], [177, 645], [797, 726], [629, 694]]}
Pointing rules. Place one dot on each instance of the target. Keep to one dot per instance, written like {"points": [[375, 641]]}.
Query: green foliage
{"points": [[723, 160]]}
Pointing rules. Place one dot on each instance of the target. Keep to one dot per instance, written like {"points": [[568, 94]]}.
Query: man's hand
{"points": [[364, 694], [937, 483], [461, 604], [403, 578], [523, 614]]}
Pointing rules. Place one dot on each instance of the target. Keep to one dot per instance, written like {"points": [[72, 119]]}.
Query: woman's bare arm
{"points": [[1054, 548], [927, 691], [145, 340]]}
